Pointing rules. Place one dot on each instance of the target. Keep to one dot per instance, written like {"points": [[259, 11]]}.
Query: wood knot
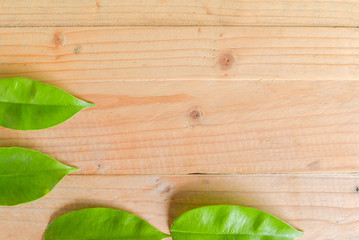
{"points": [[313, 165], [195, 115], [225, 60], [58, 39], [164, 187], [77, 49]]}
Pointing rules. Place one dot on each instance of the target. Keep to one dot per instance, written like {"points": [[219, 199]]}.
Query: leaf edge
{"points": [[297, 232], [68, 170], [165, 235]]}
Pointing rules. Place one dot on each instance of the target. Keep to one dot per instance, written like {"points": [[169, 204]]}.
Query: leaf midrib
{"points": [[35, 173], [34, 104], [116, 237], [248, 234]]}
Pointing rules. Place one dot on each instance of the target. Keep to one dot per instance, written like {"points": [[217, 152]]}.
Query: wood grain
{"points": [[324, 206], [186, 53], [181, 90], [180, 127], [179, 12]]}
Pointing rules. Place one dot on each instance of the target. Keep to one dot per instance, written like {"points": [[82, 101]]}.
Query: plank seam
{"points": [[177, 26]]}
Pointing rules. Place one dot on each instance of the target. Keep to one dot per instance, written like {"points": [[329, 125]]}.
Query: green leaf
{"points": [[27, 175], [101, 223], [225, 222], [30, 105]]}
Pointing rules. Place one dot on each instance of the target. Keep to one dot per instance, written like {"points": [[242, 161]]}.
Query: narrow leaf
{"points": [[27, 175], [30, 105], [101, 223], [225, 222]]}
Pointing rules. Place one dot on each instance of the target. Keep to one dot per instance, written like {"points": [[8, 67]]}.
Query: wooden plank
{"points": [[188, 53], [324, 206], [212, 127], [179, 12]]}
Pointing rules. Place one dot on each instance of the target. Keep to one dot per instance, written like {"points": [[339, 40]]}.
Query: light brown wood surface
{"points": [[179, 127], [265, 89], [324, 205], [180, 53], [179, 12]]}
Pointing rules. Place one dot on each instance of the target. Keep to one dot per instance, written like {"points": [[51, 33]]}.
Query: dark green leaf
{"points": [[29, 105], [224, 222], [26, 175], [101, 223]]}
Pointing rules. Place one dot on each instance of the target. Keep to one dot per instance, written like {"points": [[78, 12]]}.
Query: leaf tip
{"points": [[299, 233], [88, 105], [74, 169], [91, 104], [165, 236]]}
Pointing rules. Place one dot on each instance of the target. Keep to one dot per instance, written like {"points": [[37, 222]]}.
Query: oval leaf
{"points": [[30, 105], [26, 175], [230, 222], [101, 223]]}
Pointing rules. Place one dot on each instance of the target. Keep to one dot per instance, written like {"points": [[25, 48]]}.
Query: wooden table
{"points": [[254, 103]]}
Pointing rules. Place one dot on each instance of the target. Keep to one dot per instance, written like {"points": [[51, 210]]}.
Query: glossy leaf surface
{"points": [[30, 105], [225, 222], [101, 223], [26, 175]]}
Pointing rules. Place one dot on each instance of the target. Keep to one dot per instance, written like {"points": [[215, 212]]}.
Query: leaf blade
{"points": [[27, 175], [101, 223], [26, 104], [227, 222]]}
